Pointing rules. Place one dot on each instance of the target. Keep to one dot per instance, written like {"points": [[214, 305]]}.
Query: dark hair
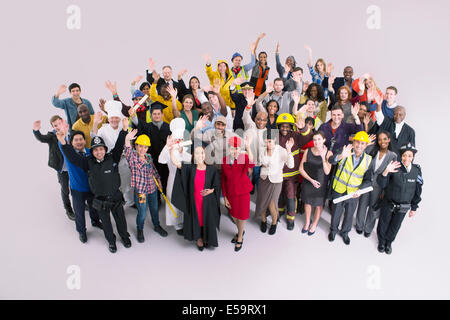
{"points": [[73, 86], [164, 86], [193, 77], [54, 118], [74, 133], [143, 84], [297, 69], [392, 88], [320, 133], [376, 147], [310, 120], [366, 104], [337, 107], [278, 105], [320, 95], [278, 79]]}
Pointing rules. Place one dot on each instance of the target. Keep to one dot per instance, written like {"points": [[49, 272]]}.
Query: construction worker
{"points": [[354, 172], [285, 123], [402, 183]]}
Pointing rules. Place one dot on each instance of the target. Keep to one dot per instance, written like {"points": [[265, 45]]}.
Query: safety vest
{"points": [[348, 178], [148, 118], [241, 74]]}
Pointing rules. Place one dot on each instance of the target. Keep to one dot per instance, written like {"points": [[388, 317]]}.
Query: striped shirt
{"points": [[142, 172]]}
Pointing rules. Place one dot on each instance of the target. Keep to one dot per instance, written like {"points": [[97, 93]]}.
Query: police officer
{"points": [[402, 183], [104, 181]]}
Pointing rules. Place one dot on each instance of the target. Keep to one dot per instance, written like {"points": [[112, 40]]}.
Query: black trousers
{"points": [[349, 206], [63, 179], [119, 216], [389, 225]]}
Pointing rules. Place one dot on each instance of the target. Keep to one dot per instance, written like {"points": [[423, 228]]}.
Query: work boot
{"points": [[140, 236], [290, 222], [83, 237], [331, 236], [126, 242], [263, 226], [112, 247]]}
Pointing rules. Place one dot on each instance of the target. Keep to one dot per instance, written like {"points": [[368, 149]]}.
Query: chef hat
{"points": [[177, 126], [113, 108]]}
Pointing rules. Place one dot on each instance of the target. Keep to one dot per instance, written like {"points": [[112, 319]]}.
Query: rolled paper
{"points": [[350, 195], [139, 104], [185, 143]]}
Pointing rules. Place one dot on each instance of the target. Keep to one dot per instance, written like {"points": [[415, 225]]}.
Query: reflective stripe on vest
{"points": [[348, 178], [241, 74], [296, 152], [290, 174]]}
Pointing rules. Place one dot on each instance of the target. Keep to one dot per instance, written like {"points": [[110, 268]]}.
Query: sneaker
{"points": [[161, 231]]}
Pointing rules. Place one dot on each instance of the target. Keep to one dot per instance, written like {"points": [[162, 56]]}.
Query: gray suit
{"points": [[366, 216]]}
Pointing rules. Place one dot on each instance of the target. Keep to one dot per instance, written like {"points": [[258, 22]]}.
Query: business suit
{"points": [[338, 82], [407, 134], [366, 216], [161, 81]]}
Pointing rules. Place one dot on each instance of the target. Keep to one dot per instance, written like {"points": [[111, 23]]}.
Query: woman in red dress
{"points": [[236, 185]]}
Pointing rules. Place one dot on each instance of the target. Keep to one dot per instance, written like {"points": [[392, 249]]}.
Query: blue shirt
{"points": [[70, 107], [78, 179]]}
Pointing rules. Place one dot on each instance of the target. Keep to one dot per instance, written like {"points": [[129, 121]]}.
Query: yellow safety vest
{"points": [[241, 74], [348, 178]]}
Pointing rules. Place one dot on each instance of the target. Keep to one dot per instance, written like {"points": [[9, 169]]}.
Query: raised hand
{"points": [[253, 47], [181, 73], [295, 95], [217, 86], [111, 86], [262, 35], [331, 79], [379, 99], [207, 88], [98, 117], [247, 141], [330, 68], [366, 120], [173, 92], [131, 136], [305, 86], [347, 151], [101, 104], [125, 123], [355, 109], [287, 68], [289, 145], [392, 167], [372, 139], [156, 76], [137, 79], [238, 81], [201, 123], [308, 48], [132, 112], [207, 58], [62, 88], [250, 99], [151, 64], [37, 125], [269, 87], [296, 78], [323, 152], [277, 51], [300, 123]]}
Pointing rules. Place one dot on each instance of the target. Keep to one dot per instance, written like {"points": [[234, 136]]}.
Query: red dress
{"points": [[236, 185], [199, 185]]}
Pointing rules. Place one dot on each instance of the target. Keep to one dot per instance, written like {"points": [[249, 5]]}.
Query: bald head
{"points": [[399, 114], [83, 113], [261, 119]]}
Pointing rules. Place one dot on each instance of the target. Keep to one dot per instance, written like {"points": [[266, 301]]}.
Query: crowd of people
{"points": [[300, 146]]}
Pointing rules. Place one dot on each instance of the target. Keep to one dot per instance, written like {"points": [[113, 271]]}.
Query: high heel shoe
{"points": [[235, 237], [309, 231], [236, 249]]}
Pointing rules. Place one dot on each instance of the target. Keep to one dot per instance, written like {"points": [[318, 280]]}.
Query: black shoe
{"points": [[112, 247], [140, 236], [263, 226], [388, 249], [358, 231], [366, 234], [70, 214], [126, 242], [253, 191], [346, 239], [290, 225], [331, 237], [180, 232], [235, 237], [381, 248], [273, 229], [134, 206], [200, 248], [161, 231], [236, 249], [97, 224], [83, 237]]}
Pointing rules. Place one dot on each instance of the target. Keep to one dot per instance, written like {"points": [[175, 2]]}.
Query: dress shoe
{"points": [[161, 231], [180, 232], [273, 229], [331, 237], [235, 237], [290, 225], [263, 226], [126, 242], [381, 248], [304, 230], [388, 249], [112, 247], [346, 239], [358, 231], [83, 237], [200, 248], [70, 214], [236, 248], [140, 236], [97, 224], [366, 234], [311, 233]]}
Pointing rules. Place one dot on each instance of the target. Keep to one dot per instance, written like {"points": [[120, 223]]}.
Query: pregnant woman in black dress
{"points": [[315, 170]]}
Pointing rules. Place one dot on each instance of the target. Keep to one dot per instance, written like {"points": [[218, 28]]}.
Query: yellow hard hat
{"points": [[285, 118], [143, 140], [362, 136]]}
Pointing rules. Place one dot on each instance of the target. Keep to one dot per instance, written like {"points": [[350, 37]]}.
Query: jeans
{"points": [[151, 202], [63, 179], [78, 199], [256, 174]]}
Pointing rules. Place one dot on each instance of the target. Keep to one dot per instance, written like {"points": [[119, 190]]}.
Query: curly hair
{"points": [[320, 94]]}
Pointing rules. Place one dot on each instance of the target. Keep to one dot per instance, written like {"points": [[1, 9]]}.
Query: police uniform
{"points": [[104, 182], [402, 192]]}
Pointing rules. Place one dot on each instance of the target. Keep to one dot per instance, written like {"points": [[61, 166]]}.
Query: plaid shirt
{"points": [[141, 172]]}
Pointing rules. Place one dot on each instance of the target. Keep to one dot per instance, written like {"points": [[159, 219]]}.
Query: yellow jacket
{"points": [[323, 108], [167, 112], [225, 84]]}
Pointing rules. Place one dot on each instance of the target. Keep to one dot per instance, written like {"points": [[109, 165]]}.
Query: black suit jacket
{"points": [[406, 135], [160, 82], [338, 82]]}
